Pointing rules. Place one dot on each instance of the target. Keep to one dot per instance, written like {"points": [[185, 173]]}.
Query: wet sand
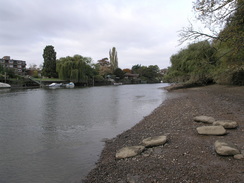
{"points": [[187, 157]]}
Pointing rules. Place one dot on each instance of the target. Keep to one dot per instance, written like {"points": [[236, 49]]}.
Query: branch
{"points": [[189, 33], [214, 11]]}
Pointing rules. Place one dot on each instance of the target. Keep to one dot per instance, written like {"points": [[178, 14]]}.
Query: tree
{"points": [[104, 67], [2, 70], [119, 73], [8, 71], [49, 65], [33, 67], [77, 69], [225, 24], [233, 32], [150, 73], [214, 15], [136, 68], [104, 62], [113, 59], [195, 64], [127, 70]]}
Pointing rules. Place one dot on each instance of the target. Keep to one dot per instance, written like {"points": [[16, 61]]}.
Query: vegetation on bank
{"points": [[6, 72], [220, 57], [82, 71], [77, 69]]}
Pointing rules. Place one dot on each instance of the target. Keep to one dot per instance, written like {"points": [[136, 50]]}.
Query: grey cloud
{"points": [[141, 30]]}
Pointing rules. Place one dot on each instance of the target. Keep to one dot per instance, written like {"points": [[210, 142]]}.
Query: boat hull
{"points": [[5, 85], [70, 85]]}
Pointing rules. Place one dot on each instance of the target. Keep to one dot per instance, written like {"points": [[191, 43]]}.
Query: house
{"points": [[18, 65], [131, 76]]}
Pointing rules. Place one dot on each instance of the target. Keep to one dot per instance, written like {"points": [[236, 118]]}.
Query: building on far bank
{"points": [[18, 65], [131, 76]]}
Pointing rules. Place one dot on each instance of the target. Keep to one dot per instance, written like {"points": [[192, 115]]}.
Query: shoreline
{"points": [[187, 156]]}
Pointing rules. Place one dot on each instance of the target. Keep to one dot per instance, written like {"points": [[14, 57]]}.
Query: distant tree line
{"points": [[82, 70]]}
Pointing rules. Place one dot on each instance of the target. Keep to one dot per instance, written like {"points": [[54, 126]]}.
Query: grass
{"points": [[48, 79]]}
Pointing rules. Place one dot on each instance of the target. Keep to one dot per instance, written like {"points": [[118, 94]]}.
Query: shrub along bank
{"points": [[203, 63]]}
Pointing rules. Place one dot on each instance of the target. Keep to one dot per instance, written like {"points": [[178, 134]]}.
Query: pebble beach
{"points": [[187, 156]]}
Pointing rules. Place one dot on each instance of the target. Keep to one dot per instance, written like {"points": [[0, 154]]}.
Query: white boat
{"points": [[5, 85], [55, 85], [117, 84], [70, 85]]}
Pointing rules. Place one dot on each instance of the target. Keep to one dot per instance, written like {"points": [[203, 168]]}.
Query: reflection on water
{"points": [[55, 135]]}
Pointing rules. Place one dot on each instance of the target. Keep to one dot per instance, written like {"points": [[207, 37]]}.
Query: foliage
{"points": [[214, 15], [119, 73], [33, 70], [1, 69], [103, 67], [33, 67], [113, 59], [104, 62], [152, 72], [193, 64], [127, 70], [48, 79], [230, 48], [136, 69], [98, 78], [149, 74], [35, 73], [77, 68], [225, 23], [49, 65], [10, 73]]}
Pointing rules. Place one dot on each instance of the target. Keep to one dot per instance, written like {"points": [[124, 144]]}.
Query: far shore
{"points": [[187, 156]]}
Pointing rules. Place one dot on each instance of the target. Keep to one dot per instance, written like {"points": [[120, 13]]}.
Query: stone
{"points": [[225, 148], [211, 130], [155, 141], [226, 123], [129, 151], [239, 156], [204, 119]]}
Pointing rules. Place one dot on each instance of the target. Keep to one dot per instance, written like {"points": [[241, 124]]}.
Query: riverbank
{"points": [[187, 156]]}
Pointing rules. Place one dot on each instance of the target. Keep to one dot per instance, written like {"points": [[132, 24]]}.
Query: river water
{"points": [[55, 135]]}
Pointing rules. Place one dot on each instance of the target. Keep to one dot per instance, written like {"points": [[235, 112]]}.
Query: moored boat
{"points": [[5, 85], [70, 85], [117, 84], [55, 85]]}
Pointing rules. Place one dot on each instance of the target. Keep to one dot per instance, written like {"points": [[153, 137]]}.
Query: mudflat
{"points": [[186, 157]]}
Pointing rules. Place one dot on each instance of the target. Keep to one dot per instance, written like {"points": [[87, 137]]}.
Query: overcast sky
{"points": [[143, 31]]}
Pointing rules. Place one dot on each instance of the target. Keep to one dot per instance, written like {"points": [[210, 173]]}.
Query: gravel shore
{"points": [[187, 157]]}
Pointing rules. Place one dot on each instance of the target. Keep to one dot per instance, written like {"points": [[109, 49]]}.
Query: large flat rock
{"points": [[155, 141], [225, 148], [204, 119], [129, 151], [211, 130], [226, 123]]}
